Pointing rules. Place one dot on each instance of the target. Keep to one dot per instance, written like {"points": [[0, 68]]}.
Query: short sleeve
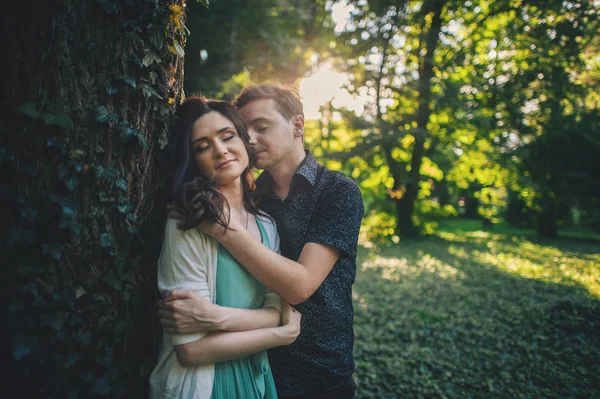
{"points": [[337, 216], [272, 300], [182, 265]]}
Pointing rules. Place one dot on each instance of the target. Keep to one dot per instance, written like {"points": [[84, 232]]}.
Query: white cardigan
{"points": [[188, 261]]}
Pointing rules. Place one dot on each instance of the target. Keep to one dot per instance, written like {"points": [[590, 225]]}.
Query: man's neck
{"points": [[283, 172]]}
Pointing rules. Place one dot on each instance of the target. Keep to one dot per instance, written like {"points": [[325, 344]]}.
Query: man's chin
{"points": [[262, 164]]}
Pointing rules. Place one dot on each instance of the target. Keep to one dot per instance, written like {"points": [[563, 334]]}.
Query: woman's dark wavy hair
{"points": [[196, 195]]}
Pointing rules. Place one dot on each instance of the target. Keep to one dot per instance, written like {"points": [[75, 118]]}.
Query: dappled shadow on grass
{"points": [[478, 316]]}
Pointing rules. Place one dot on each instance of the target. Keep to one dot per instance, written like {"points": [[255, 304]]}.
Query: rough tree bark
{"points": [[88, 88]]}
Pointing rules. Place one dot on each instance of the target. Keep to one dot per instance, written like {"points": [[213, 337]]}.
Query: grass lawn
{"points": [[470, 313]]}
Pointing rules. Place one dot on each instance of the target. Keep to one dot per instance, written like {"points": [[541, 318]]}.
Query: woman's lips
{"points": [[225, 164]]}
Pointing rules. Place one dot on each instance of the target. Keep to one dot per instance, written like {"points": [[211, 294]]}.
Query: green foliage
{"points": [[505, 75], [236, 43], [73, 242], [478, 314]]}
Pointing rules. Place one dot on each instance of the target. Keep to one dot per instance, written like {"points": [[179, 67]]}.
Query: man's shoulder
{"points": [[335, 181]]}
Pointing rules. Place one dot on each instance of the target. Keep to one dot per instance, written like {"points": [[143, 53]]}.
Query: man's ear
{"points": [[298, 124]]}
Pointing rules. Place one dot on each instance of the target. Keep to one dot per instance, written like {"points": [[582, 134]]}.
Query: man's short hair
{"points": [[287, 98]]}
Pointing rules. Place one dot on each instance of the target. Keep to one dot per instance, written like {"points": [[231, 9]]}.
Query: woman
{"points": [[212, 182]]}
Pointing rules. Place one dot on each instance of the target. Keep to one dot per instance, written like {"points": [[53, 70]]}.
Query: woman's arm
{"points": [[220, 346], [185, 312]]}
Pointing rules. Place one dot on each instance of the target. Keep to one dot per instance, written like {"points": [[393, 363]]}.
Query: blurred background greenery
{"points": [[473, 125], [438, 109]]}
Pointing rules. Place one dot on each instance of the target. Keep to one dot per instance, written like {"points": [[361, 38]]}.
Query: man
{"points": [[318, 214]]}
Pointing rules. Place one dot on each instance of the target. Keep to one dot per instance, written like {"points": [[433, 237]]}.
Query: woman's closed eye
{"points": [[200, 148], [262, 129]]}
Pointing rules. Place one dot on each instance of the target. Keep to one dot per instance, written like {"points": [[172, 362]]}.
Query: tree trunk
{"points": [[88, 91], [405, 205], [547, 225]]}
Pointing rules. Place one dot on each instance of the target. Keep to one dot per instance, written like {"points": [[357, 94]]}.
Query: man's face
{"points": [[272, 136]]}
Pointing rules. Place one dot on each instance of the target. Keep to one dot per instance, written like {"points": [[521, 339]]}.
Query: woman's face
{"points": [[218, 149]]}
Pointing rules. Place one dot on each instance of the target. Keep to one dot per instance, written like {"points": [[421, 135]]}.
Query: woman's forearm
{"points": [[235, 319], [221, 346]]}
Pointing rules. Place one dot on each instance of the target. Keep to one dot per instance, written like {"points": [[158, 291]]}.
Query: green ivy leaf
{"points": [[19, 234], [135, 57], [71, 182], [57, 143], [29, 109], [113, 281], [122, 184], [52, 320], [53, 250], [149, 92], [28, 265], [72, 225], [76, 154], [6, 155], [142, 141], [127, 131], [109, 6], [23, 346], [29, 214], [129, 80], [110, 89], [106, 240], [150, 58], [163, 139], [62, 120], [204, 3], [124, 209], [104, 115], [84, 338]]}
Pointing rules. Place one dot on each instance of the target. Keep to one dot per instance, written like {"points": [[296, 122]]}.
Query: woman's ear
{"points": [[298, 124]]}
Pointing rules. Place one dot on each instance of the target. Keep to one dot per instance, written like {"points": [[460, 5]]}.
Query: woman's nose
{"points": [[220, 150]]}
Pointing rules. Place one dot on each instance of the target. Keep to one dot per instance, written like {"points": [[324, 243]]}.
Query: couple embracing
{"points": [[256, 277]]}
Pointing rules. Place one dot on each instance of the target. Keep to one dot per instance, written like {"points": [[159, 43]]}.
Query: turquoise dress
{"points": [[249, 377]]}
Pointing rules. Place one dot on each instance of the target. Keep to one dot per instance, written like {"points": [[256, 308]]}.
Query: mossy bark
{"points": [[88, 91]]}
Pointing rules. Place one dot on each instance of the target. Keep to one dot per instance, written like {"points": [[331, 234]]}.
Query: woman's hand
{"points": [[290, 323]]}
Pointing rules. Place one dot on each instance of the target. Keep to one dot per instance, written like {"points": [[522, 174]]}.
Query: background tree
{"points": [[88, 89], [460, 129], [237, 43]]}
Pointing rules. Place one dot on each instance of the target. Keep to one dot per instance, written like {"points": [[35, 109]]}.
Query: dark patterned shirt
{"points": [[323, 207]]}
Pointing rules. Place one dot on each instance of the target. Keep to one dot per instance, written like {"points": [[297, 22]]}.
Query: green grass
{"points": [[479, 314]]}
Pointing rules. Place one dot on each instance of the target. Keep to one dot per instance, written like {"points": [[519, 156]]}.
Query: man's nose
{"points": [[252, 135]]}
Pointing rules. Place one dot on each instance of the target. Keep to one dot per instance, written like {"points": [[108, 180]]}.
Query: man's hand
{"points": [[217, 231], [290, 322], [184, 312]]}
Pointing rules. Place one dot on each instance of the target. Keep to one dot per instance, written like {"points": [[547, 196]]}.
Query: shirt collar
{"points": [[307, 169]]}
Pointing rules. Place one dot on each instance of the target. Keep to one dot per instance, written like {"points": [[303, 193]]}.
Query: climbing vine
{"points": [[81, 155]]}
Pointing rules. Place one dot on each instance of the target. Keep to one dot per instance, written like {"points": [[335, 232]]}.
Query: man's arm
{"points": [[293, 281], [333, 229], [221, 346], [184, 312]]}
